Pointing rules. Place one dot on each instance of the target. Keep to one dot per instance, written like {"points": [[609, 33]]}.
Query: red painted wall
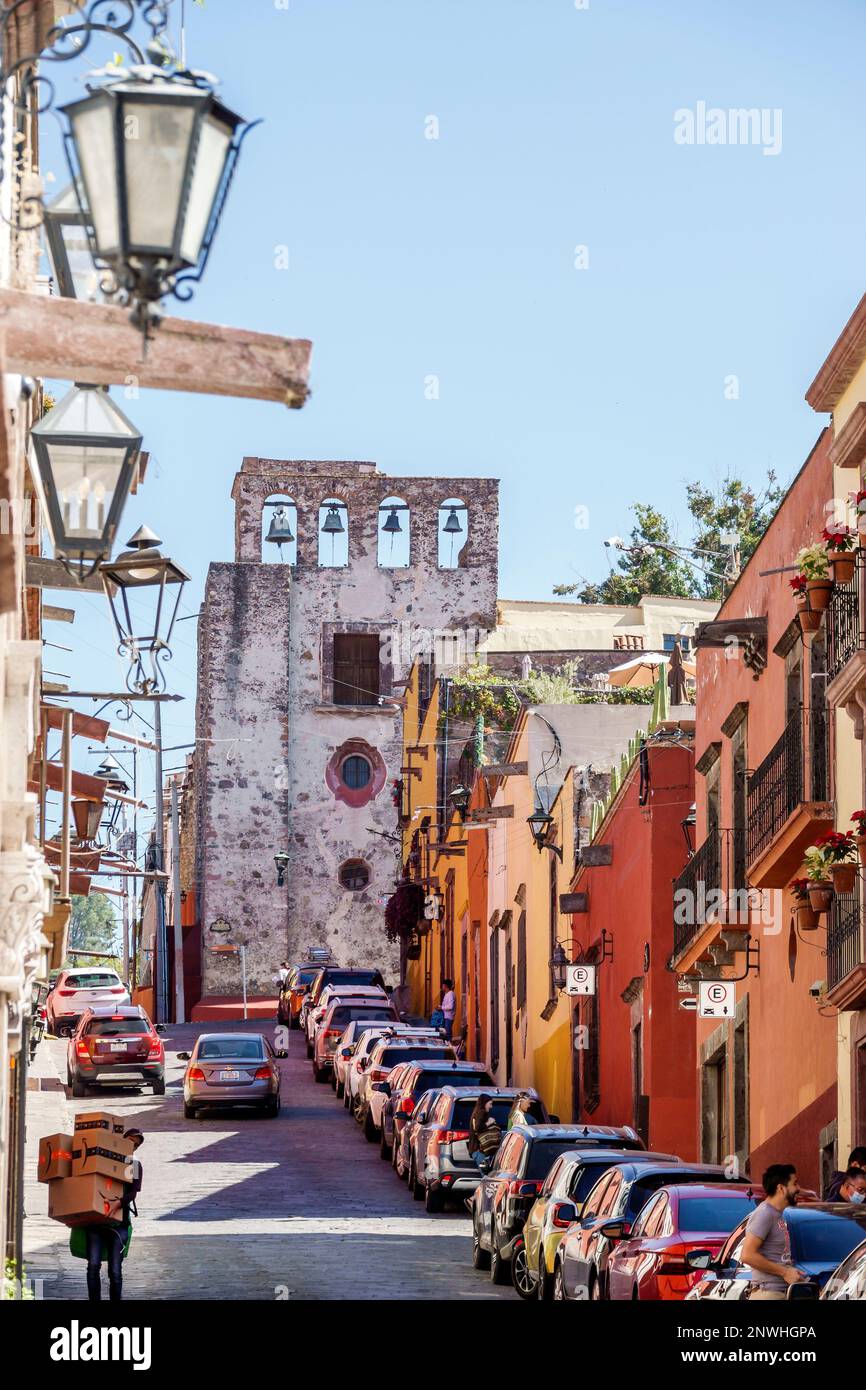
{"points": [[631, 900]]}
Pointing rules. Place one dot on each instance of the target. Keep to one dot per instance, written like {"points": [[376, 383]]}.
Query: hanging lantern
{"points": [[87, 815], [143, 567], [86, 455], [559, 964], [152, 155], [539, 823]]}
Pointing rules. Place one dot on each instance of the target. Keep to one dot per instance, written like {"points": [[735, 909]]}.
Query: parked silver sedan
{"points": [[231, 1069]]}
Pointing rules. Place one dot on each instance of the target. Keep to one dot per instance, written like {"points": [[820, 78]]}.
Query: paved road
{"points": [[238, 1207]]}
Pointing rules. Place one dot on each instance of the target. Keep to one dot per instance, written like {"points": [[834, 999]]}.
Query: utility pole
{"points": [[161, 981], [179, 1003]]}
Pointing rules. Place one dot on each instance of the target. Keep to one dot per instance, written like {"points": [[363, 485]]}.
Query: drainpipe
{"points": [[66, 736]]}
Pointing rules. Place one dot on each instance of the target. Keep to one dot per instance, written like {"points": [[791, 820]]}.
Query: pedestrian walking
{"points": [[448, 1006], [485, 1133], [856, 1159], [110, 1240], [767, 1246]]}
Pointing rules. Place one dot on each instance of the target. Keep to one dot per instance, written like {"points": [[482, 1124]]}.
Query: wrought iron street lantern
{"points": [[559, 964], [460, 797], [68, 243], [687, 825], [539, 824], [109, 769], [86, 455], [152, 155], [281, 859], [87, 815], [143, 567]]}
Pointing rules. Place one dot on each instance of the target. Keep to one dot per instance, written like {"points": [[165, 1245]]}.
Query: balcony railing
{"points": [[843, 623], [844, 938], [779, 785], [701, 876]]}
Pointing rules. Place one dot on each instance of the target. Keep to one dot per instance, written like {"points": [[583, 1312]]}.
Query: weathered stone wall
{"points": [[265, 671]]}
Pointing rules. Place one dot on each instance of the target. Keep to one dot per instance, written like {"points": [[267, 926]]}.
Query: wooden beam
{"points": [[73, 341], [574, 902], [505, 769], [57, 615], [42, 573], [596, 856], [486, 813]]}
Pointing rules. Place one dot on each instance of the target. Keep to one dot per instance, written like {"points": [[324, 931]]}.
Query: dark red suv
{"points": [[115, 1047]]}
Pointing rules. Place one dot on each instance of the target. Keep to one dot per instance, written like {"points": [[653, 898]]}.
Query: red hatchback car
{"points": [[115, 1047], [650, 1263]]}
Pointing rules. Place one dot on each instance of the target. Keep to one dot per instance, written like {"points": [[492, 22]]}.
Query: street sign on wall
{"points": [[580, 979], [717, 999]]}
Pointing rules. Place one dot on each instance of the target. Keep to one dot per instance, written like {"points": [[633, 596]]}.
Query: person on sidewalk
{"points": [[767, 1246], [853, 1186], [109, 1241], [448, 1007], [856, 1159]]}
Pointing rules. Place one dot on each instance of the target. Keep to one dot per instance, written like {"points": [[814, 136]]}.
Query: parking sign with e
{"points": [[580, 979], [717, 999]]}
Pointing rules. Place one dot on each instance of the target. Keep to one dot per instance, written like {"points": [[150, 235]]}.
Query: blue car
{"points": [[822, 1234]]}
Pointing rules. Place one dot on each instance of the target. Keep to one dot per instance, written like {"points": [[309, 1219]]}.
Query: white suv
{"points": [[76, 991], [373, 993], [350, 1070]]}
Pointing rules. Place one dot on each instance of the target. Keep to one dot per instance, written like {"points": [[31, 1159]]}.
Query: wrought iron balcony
{"points": [[787, 800], [712, 892], [845, 625], [701, 876], [846, 968]]}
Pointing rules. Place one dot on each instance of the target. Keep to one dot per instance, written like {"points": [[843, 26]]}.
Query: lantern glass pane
{"points": [[85, 277], [85, 479], [213, 148], [93, 131], [157, 136], [87, 410]]}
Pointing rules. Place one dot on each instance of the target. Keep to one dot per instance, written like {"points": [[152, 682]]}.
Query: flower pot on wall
{"points": [[809, 619], [841, 564], [844, 877], [807, 917], [821, 895], [819, 591]]}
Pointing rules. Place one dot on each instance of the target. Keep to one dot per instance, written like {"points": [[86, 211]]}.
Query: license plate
{"points": [[118, 1047], [230, 1076]]}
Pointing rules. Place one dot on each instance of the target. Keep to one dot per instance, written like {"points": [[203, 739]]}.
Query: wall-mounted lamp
{"points": [[559, 964], [687, 825], [459, 798], [539, 824], [282, 862]]}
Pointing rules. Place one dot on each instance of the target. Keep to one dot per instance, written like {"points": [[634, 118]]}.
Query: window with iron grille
{"points": [[356, 668], [354, 875]]}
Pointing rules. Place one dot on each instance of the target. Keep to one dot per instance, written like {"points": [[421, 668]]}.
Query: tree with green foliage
{"points": [[654, 562], [93, 924]]}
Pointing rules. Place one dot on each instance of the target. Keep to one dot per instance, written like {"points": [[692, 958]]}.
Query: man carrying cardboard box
{"points": [[109, 1240]]}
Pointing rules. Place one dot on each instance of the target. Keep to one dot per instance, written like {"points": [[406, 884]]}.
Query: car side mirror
{"points": [[564, 1213], [805, 1289], [345, 1052], [699, 1259], [184, 1056], [365, 1062], [382, 1087], [554, 1119], [615, 1230], [159, 1027]]}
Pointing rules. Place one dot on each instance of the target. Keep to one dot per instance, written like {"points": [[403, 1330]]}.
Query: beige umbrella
{"points": [[642, 670]]}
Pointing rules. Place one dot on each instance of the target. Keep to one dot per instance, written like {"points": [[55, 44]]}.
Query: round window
{"points": [[354, 875], [355, 772]]}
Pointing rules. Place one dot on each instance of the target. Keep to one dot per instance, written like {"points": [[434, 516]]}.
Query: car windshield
{"points": [[543, 1153], [249, 1049], [713, 1213], [390, 1056], [303, 977], [93, 981], [355, 977], [824, 1239], [113, 1027], [346, 1013]]}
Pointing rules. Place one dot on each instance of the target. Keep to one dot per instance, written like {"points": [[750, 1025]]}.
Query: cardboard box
{"points": [[97, 1151], [98, 1121], [86, 1201], [55, 1157]]}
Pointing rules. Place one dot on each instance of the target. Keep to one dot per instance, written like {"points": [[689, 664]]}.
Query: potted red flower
{"points": [[815, 566], [839, 541], [809, 620], [807, 917], [820, 888], [839, 849], [859, 819]]}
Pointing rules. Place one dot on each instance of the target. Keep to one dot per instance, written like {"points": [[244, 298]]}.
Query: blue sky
{"points": [[410, 257]]}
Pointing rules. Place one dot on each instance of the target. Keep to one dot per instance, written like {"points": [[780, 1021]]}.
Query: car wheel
{"points": [[79, 1089], [384, 1146], [309, 1049], [499, 1272], [635, 1295], [558, 1284], [395, 1159], [480, 1257], [188, 1111], [415, 1186], [347, 1099], [272, 1109], [318, 1074], [544, 1287], [159, 1087], [371, 1134], [434, 1200], [340, 1089], [521, 1275]]}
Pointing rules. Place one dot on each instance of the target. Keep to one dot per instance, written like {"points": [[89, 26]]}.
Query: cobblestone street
{"points": [[238, 1207]]}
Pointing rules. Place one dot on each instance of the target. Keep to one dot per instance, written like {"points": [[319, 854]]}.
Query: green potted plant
{"points": [[809, 620], [859, 819], [807, 917], [820, 885], [812, 561], [839, 542], [841, 852]]}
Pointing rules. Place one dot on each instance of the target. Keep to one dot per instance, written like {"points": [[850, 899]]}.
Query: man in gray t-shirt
{"points": [[767, 1246]]}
